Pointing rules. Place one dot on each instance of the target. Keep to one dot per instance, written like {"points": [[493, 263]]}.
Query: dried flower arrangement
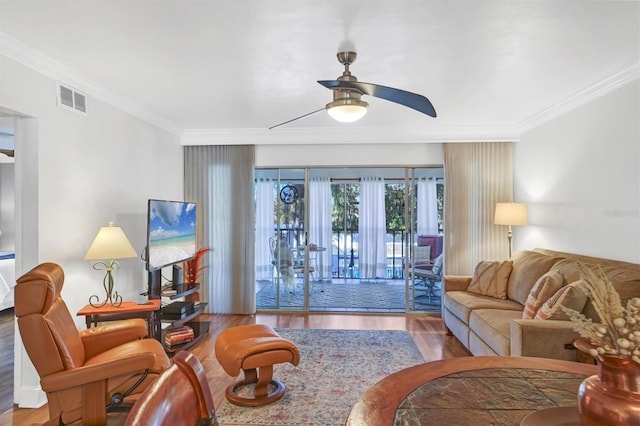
{"points": [[194, 266], [618, 332]]}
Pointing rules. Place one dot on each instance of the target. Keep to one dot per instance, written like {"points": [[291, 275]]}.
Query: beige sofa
{"points": [[492, 326]]}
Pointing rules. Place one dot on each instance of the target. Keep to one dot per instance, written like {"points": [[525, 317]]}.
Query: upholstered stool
{"points": [[254, 349]]}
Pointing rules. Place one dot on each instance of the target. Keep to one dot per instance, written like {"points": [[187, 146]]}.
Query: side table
{"points": [[149, 311]]}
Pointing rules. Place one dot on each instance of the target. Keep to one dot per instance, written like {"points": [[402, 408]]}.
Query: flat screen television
{"points": [[171, 233]]}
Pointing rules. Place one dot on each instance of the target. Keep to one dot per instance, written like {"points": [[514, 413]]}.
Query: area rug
{"points": [[336, 367]]}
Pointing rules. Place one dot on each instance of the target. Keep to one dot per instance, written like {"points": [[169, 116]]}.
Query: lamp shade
{"points": [[510, 214], [110, 243], [347, 110]]}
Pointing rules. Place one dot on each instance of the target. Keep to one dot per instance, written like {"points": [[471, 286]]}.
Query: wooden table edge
{"points": [[129, 306], [378, 404]]}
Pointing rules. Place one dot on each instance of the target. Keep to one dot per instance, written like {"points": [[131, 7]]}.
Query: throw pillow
{"points": [[570, 296], [546, 286], [491, 278], [422, 254]]}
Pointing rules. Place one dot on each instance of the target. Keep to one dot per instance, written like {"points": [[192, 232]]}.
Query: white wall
{"points": [[7, 189], [90, 170], [7, 202], [580, 176]]}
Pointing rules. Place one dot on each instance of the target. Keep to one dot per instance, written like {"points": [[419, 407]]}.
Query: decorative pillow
{"points": [[546, 286], [422, 254], [570, 296], [491, 278]]}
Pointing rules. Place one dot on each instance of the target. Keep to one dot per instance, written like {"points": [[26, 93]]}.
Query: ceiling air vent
{"points": [[69, 98]]}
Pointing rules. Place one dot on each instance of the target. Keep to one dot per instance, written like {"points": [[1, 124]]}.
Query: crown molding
{"points": [[621, 78], [45, 65], [348, 135]]}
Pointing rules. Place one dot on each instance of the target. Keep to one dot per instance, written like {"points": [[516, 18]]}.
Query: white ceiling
{"points": [[489, 66]]}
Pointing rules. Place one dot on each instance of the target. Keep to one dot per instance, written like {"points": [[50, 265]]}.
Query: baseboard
{"points": [[30, 397]]}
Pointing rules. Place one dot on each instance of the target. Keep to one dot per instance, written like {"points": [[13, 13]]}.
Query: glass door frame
{"points": [[299, 229], [300, 226]]}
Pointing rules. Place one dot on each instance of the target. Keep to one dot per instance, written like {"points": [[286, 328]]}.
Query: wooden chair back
{"points": [[181, 395]]}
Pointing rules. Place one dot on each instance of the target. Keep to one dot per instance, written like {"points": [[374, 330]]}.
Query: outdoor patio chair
{"points": [[284, 264], [426, 279]]}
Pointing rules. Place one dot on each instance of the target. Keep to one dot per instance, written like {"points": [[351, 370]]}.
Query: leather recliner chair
{"points": [[84, 373]]}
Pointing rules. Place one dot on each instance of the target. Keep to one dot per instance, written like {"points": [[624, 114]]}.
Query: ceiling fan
{"points": [[347, 105]]}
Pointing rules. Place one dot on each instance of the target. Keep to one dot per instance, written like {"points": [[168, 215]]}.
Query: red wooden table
{"points": [[149, 311]]}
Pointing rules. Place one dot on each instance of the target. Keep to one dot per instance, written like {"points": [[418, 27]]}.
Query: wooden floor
{"points": [[427, 332], [6, 358]]}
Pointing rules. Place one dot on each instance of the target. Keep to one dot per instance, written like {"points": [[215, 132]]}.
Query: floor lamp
{"points": [[511, 214]]}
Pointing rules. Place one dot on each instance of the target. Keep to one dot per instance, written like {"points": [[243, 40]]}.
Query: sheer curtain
{"points": [[264, 228], [320, 214], [372, 229], [220, 179], [427, 207], [478, 176]]}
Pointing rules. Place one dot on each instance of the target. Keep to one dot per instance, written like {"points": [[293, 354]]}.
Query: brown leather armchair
{"points": [[84, 373]]}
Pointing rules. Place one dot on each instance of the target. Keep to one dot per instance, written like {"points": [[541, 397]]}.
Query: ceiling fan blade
{"points": [[7, 152], [297, 118], [402, 97]]}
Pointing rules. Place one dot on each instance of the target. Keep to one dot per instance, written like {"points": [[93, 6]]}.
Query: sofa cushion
{"points": [[490, 278], [568, 268], [572, 296], [461, 303], [625, 281], [493, 326], [543, 289], [528, 267]]}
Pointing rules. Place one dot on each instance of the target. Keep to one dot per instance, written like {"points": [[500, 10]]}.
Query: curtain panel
{"points": [[478, 175], [427, 211], [372, 229], [220, 179], [320, 234], [264, 228]]}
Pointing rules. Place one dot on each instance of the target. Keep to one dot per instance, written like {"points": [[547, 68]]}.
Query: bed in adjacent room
{"points": [[7, 279]]}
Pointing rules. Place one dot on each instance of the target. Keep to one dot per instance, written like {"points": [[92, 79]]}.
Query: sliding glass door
{"points": [[341, 240], [281, 236]]}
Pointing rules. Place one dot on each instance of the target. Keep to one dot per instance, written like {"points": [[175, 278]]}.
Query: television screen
{"points": [[171, 233]]}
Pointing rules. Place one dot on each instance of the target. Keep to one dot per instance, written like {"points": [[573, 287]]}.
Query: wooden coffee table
{"points": [[452, 391]]}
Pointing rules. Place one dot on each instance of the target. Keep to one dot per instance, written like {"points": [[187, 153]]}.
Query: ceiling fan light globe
{"points": [[347, 111]]}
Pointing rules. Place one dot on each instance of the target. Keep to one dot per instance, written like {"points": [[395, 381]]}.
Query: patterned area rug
{"points": [[361, 297], [336, 367]]}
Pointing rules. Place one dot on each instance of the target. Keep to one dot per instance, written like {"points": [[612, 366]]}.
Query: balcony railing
{"points": [[344, 251]]}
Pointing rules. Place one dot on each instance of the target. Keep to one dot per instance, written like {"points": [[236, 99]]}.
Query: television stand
{"points": [[188, 318], [200, 328]]}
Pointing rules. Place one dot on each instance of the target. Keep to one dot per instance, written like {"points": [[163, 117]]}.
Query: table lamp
{"points": [[511, 214], [110, 244]]}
